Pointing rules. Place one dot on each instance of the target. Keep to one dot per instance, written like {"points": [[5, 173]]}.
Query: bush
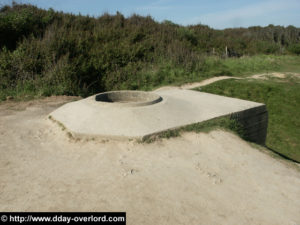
{"points": [[61, 53], [294, 48]]}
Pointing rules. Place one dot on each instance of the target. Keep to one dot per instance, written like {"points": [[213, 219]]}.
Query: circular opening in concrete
{"points": [[128, 98]]}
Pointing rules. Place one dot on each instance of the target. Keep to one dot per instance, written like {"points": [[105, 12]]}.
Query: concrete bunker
{"points": [[138, 114], [128, 98]]}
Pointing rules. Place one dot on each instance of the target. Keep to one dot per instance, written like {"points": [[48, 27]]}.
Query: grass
{"points": [[212, 66], [162, 74], [289, 63], [283, 103], [224, 123], [63, 128], [249, 65], [244, 66]]}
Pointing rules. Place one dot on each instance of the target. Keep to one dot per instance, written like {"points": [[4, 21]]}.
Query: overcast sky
{"points": [[215, 13]]}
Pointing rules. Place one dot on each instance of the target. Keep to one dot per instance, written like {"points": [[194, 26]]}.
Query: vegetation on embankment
{"points": [[224, 123], [43, 52], [283, 103]]}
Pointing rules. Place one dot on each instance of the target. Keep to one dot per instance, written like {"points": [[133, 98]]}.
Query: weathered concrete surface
{"points": [[178, 108]]}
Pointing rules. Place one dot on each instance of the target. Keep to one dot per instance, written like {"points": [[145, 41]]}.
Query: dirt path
{"points": [[214, 178], [205, 82], [263, 76], [197, 84]]}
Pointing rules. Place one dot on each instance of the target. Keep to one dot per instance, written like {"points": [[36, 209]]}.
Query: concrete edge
{"points": [[255, 132]]}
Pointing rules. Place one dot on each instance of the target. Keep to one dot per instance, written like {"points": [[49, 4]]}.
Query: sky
{"points": [[218, 14]]}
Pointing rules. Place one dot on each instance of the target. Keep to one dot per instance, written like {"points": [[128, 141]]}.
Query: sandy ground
{"points": [[214, 178]]}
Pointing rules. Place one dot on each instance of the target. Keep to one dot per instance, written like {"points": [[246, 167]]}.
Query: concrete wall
{"points": [[255, 123]]}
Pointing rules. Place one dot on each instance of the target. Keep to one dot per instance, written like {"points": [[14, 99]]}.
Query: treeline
{"points": [[49, 52]]}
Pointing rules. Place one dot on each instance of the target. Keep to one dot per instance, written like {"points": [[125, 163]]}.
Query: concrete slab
{"points": [[114, 117]]}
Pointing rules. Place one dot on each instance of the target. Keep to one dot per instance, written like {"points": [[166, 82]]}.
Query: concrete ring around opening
{"points": [[128, 98]]}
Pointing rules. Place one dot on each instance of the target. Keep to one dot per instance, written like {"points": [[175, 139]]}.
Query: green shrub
{"points": [[294, 48], [82, 55]]}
